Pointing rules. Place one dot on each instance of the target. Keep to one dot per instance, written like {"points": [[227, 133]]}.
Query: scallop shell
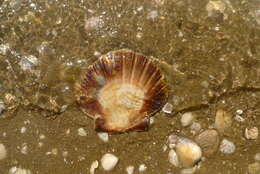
{"points": [[121, 90]]}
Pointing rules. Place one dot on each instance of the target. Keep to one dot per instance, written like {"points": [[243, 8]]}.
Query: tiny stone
{"points": [[23, 130], [195, 128], [130, 169], [82, 132], [187, 119], [24, 149], [109, 161], [151, 120], [173, 158], [17, 170], [2, 107], [3, 152], [167, 108], [93, 167], [65, 154], [4, 48], [54, 151], [257, 156], [28, 62], [238, 118], [42, 136], [239, 112], [103, 136], [252, 133], [227, 147], [142, 168]]}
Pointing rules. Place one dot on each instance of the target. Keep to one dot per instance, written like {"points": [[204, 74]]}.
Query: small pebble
{"points": [[227, 147], [167, 108], [2, 107], [257, 156], [24, 148], [223, 120], [23, 130], [189, 170], [82, 132], [173, 158], [187, 119], [238, 118], [103, 136], [254, 168], [142, 168], [188, 152], [28, 62], [209, 141], [3, 152], [252, 133], [109, 161], [130, 169], [93, 167], [151, 120], [18, 170], [239, 111], [4, 48], [195, 128]]}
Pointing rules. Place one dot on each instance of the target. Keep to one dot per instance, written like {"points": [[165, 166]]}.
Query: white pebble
{"points": [[24, 149], [17, 170], [187, 119], [227, 147], [2, 106], [28, 62], [42, 136], [93, 167], [252, 133], [167, 108], [173, 158], [257, 156], [109, 161], [3, 152], [151, 120], [239, 111], [23, 130], [4, 48], [142, 168], [195, 128], [130, 169], [103, 136], [82, 132], [238, 118]]}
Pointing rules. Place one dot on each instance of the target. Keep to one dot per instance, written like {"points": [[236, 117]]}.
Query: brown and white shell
{"points": [[121, 90]]}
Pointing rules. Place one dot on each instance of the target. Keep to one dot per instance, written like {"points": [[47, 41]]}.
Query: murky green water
{"points": [[209, 53]]}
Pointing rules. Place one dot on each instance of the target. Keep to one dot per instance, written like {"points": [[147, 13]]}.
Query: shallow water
{"points": [[210, 59]]}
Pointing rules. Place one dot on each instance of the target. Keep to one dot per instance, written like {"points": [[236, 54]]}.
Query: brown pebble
{"points": [[223, 120], [209, 141]]}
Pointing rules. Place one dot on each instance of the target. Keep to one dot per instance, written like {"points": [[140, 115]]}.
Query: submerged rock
{"points": [[109, 161]]}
